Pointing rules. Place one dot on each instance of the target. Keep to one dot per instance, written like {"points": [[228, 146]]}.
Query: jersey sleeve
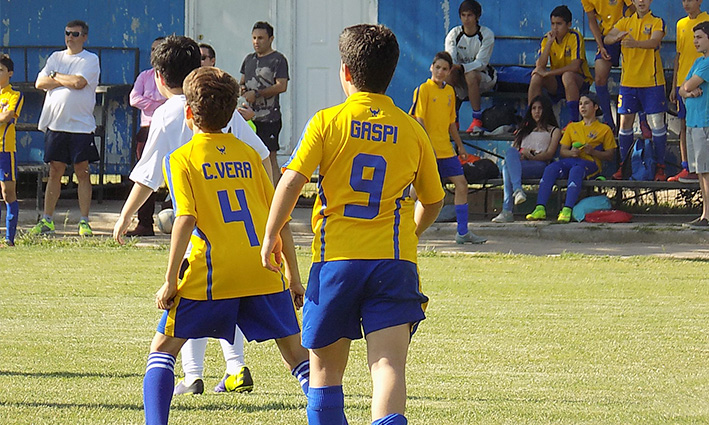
{"points": [[452, 106], [48, 66], [608, 140], [282, 68], [578, 51], [566, 138], [450, 45], [90, 70], [419, 104], [482, 59], [178, 181], [701, 69], [308, 154], [587, 6], [427, 181], [15, 103], [147, 170], [659, 25]]}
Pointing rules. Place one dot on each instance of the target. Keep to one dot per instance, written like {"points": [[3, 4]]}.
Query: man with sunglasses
{"points": [[70, 78]]}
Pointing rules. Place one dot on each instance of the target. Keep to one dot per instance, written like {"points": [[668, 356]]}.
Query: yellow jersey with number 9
{"points": [[220, 181], [369, 152]]}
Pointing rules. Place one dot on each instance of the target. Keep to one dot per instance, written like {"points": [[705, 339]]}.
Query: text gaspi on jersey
{"points": [[227, 169], [374, 132]]}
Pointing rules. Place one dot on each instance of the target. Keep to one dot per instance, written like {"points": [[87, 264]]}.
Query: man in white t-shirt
{"points": [[70, 78]]}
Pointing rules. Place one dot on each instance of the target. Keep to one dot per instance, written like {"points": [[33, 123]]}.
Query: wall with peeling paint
{"points": [[112, 23]]}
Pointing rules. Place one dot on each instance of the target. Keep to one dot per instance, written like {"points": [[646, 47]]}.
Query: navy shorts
{"points": [[260, 318], [347, 296], [561, 91], [681, 109], [449, 167], [268, 133], [69, 148], [614, 51], [8, 167], [650, 100]]}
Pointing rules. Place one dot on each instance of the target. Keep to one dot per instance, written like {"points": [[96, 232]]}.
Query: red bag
{"points": [[608, 216]]}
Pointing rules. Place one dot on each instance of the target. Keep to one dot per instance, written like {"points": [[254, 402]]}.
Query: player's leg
{"points": [[193, 353], [296, 359], [450, 168], [386, 355], [572, 81], [628, 106], [57, 155], [473, 80], [536, 83], [698, 158], [326, 399], [654, 103], [237, 376], [8, 177], [159, 378], [53, 190], [83, 175], [684, 175], [603, 70], [578, 171], [552, 172]]}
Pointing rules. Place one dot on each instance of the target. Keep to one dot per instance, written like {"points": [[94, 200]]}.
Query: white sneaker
{"points": [[504, 217], [519, 196], [469, 237]]}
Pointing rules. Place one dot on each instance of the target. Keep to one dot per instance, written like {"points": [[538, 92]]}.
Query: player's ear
{"points": [[188, 112], [347, 73]]}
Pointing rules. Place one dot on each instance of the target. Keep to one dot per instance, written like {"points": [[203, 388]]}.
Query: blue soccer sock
{"points": [[461, 217], [158, 384], [477, 114], [302, 374], [13, 210], [659, 141], [573, 106], [625, 140], [685, 165], [604, 101], [326, 406], [393, 419]]}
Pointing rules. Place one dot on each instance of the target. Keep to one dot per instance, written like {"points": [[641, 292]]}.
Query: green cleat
{"points": [[240, 383], [43, 227], [539, 213], [85, 229], [564, 215]]}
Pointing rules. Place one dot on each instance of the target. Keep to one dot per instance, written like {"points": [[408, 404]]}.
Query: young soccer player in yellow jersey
{"points": [[685, 57], [434, 108], [364, 274], [10, 105], [568, 76], [221, 195], [602, 16], [642, 80]]}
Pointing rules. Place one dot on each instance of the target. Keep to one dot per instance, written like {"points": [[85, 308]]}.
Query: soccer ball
{"points": [[165, 219]]}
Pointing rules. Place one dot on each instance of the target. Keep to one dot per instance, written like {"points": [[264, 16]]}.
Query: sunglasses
{"points": [[73, 33]]}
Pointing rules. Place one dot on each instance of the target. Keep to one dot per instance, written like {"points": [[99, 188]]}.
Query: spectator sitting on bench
{"points": [[568, 76], [584, 146], [535, 144], [470, 45]]}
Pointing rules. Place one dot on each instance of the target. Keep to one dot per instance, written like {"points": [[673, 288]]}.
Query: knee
{"points": [[82, 173], [56, 169], [510, 153], [656, 121], [472, 77]]}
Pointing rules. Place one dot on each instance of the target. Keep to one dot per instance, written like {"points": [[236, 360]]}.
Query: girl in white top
{"points": [[535, 145]]}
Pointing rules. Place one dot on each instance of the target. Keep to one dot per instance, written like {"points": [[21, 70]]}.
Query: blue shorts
{"points": [[346, 296], [650, 100], [561, 91], [681, 109], [69, 148], [260, 318], [614, 51], [449, 167], [8, 167]]}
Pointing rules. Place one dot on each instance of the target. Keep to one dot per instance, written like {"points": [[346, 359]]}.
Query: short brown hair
{"points": [[371, 53], [211, 94]]}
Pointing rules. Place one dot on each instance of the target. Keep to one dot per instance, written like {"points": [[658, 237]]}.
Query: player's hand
{"points": [[165, 297], [551, 35], [621, 35], [297, 293], [463, 156], [542, 72], [673, 96], [628, 41], [272, 246], [604, 53], [250, 96], [120, 228], [695, 93], [246, 112]]}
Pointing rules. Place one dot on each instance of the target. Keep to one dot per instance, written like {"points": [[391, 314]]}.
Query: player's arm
{"points": [[291, 262], [603, 155], [284, 200], [548, 154], [13, 110], [455, 135], [652, 43], [675, 67], [425, 215], [573, 66], [280, 87], [614, 35], [482, 59], [139, 193], [543, 58], [597, 34], [568, 151], [76, 82], [180, 238], [690, 88], [452, 49]]}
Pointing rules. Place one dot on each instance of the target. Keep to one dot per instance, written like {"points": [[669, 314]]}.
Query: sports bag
{"points": [[639, 163], [480, 170]]}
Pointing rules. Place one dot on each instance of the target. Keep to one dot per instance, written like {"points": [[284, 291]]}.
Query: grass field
{"points": [[508, 340]]}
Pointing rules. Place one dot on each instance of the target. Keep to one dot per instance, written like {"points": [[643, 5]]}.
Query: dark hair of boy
{"points": [[77, 23], [261, 25], [212, 95], [443, 56], [470, 6], [210, 49], [371, 53], [7, 63], [174, 58], [703, 26], [161, 38], [562, 12], [528, 125]]}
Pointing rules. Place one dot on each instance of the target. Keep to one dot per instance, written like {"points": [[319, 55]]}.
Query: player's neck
{"points": [[440, 83], [589, 120], [267, 52], [694, 14], [74, 52], [471, 29], [642, 15]]}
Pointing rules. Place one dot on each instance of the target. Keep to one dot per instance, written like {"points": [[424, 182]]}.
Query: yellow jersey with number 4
{"points": [[220, 181], [369, 152]]}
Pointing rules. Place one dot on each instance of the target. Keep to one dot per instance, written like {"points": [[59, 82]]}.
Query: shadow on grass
{"points": [[226, 405], [70, 374]]}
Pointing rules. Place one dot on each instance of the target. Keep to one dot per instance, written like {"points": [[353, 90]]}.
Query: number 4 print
{"points": [[243, 214]]}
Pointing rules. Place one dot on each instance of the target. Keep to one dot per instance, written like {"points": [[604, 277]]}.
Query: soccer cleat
{"points": [[684, 176], [504, 217], [519, 196], [564, 215], [697, 223], [539, 213], [239, 383], [660, 173], [197, 387], [476, 126], [618, 175], [469, 237], [43, 227], [85, 229]]}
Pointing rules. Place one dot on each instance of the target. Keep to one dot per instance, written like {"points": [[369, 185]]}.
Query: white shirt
{"points": [[471, 51], [169, 130], [66, 109]]}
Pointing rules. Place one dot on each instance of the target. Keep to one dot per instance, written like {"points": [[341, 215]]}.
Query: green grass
{"points": [[507, 341]]}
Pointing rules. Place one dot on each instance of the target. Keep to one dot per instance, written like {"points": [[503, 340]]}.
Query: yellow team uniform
{"points": [[571, 48], [436, 106], [10, 100], [608, 12], [685, 44], [380, 151], [594, 135], [221, 182], [641, 67]]}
